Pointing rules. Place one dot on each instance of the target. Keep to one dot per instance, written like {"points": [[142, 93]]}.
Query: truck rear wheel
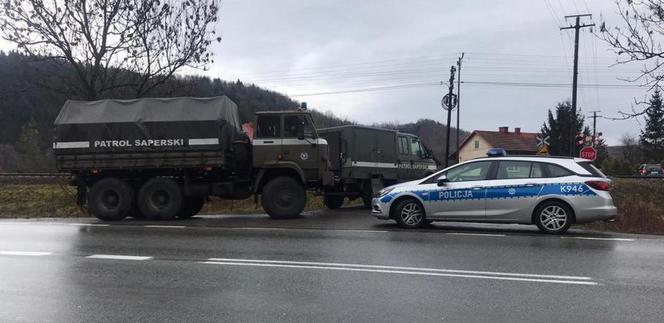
{"points": [[283, 198], [333, 202], [160, 199], [111, 199], [192, 205]]}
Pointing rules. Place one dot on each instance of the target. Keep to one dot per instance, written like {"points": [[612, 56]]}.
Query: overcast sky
{"points": [[377, 61]]}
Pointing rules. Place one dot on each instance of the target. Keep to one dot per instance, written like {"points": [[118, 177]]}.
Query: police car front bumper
{"points": [[379, 210]]}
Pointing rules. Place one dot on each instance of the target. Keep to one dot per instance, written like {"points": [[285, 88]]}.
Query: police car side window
{"points": [[469, 172], [557, 171], [537, 171], [511, 169]]}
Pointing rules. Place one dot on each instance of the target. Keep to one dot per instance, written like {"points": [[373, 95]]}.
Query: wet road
{"points": [[325, 266]]}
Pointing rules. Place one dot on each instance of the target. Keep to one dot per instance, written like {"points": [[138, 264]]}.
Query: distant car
{"points": [[552, 193], [651, 170]]}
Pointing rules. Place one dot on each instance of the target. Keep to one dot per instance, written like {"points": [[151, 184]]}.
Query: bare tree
{"points": [[133, 45], [639, 39]]}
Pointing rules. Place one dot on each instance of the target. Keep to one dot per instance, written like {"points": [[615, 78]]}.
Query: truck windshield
{"points": [[268, 127], [416, 148], [298, 126]]}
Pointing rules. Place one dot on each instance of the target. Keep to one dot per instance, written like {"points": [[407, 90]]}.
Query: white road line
{"points": [[165, 226], [119, 257], [476, 234], [604, 239], [25, 253], [305, 229], [472, 272], [421, 273], [89, 224]]}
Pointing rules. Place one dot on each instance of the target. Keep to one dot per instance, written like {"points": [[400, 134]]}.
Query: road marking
{"points": [[476, 234], [89, 224], [406, 272], [119, 257], [305, 229], [165, 226], [455, 271], [25, 253], [604, 239]]}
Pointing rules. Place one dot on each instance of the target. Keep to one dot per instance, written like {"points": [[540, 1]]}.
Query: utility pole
{"points": [[594, 116], [450, 106], [577, 25], [458, 103]]}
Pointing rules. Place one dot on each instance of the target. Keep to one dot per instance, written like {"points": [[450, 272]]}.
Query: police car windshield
{"points": [[476, 171]]}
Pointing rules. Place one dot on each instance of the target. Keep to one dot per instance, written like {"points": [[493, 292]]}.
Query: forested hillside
{"points": [[30, 101]]}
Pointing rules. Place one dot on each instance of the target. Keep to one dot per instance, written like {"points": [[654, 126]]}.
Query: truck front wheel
{"points": [[283, 198], [333, 202], [192, 205], [160, 199], [110, 199]]}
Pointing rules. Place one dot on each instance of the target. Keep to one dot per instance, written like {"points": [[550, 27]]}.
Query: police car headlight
{"points": [[384, 191]]}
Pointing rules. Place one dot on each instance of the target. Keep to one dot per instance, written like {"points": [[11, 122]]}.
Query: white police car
{"points": [[550, 192]]}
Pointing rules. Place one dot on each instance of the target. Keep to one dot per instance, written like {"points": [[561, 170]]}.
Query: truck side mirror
{"points": [[442, 180], [300, 133]]}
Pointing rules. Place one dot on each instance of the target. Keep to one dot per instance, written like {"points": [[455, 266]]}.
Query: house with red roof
{"points": [[515, 143]]}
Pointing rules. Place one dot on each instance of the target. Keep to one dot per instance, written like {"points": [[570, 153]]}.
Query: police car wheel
{"points": [[110, 199], [553, 217], [410, 214]]}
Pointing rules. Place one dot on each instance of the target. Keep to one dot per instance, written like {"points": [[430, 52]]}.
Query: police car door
{"points": [[462, 195], [514, 190]]}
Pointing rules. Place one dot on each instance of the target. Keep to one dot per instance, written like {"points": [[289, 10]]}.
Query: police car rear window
{"points": [[558, 171], [591, 169]]}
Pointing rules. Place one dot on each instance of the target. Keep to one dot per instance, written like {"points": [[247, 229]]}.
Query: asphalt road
{"points": [[325, 266]]}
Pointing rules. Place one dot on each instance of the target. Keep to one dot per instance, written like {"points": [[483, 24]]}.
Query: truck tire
{"points": [[110, 199], [191, 206], [367, 196], [160, 199], [333, 202], [283, 198]]}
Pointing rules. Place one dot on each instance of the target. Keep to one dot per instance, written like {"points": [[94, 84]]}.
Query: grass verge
{"points": [[640, 204]]}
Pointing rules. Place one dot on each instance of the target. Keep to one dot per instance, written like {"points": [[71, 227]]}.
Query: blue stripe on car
{"points": [[501, 192]]}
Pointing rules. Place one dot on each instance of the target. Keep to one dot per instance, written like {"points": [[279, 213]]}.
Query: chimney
{"points": [[503, 129], [517, 131]]}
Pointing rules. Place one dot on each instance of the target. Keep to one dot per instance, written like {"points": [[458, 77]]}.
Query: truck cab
{"points": [[288, 141]]}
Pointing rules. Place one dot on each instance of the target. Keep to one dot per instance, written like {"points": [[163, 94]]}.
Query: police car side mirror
{"points": [[442, 180]]}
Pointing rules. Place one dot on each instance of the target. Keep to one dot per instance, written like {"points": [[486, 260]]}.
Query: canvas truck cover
{"points": [[146, 125]]}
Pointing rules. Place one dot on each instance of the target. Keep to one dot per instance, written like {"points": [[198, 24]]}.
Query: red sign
{"points": [[588, 153]]}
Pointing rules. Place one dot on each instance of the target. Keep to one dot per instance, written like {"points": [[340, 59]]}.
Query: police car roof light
{"points": [[496, 152]]}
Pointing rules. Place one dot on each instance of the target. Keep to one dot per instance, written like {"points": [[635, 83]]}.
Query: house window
{"points": [[477, 144]]}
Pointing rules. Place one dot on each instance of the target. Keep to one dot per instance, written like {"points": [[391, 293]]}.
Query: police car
{"points": [[550, 192]]}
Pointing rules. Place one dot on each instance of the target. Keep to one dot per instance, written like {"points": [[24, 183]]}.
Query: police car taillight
{"points": [[599, 185]]}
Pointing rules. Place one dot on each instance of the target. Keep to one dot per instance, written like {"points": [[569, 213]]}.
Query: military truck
{"points": [[161, 158], [366, 159]]}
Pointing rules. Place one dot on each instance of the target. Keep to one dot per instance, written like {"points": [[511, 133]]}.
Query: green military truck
{"points": [[366, 159], [161, 158]]}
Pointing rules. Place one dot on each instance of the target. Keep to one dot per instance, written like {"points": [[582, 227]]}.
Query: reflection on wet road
{"points": [[325, 266]]}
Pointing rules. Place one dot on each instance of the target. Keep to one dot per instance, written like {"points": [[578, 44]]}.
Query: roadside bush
{"points": [[640, 205]]}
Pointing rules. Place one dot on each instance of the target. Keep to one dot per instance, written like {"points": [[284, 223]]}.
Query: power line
{"points": [[469, 83]]}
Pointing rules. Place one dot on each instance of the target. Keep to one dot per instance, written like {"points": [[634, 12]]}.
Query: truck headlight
{"points": [[384, 191]]}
